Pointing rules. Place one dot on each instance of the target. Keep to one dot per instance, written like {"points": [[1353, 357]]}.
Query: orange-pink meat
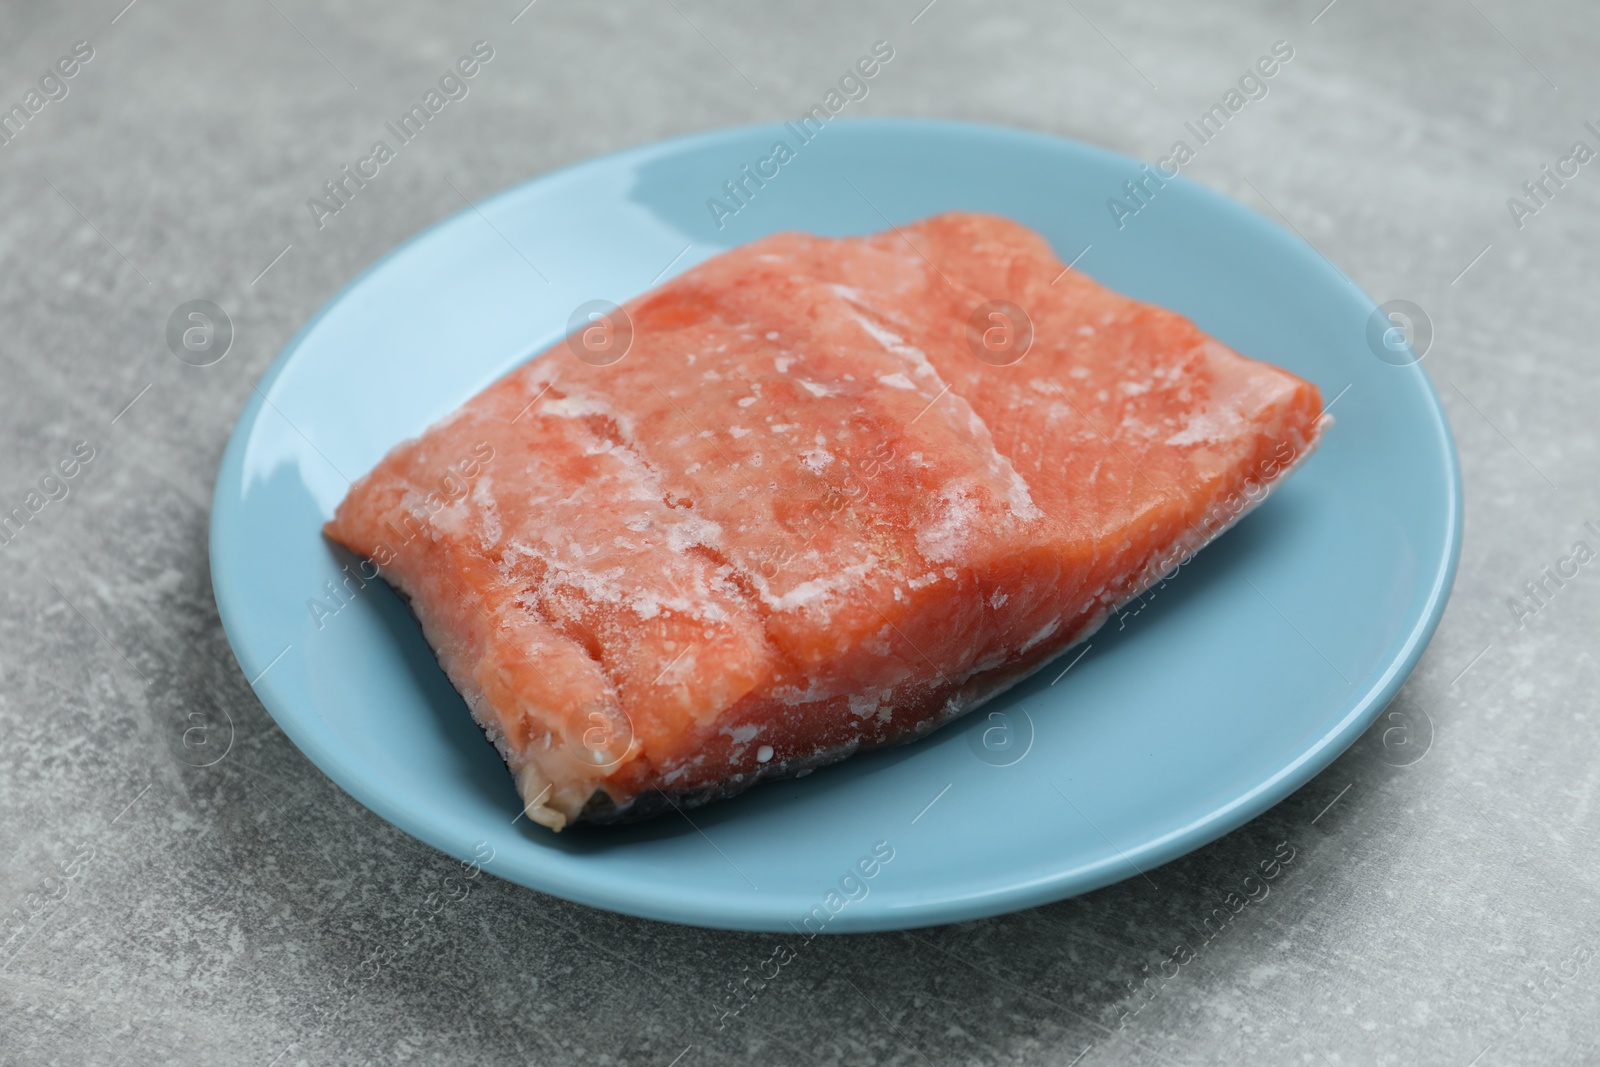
{"points": [[816, 507]]}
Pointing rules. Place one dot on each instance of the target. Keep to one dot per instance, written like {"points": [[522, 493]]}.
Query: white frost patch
{"points": [[804, 593], [814, 459], [772, 335], [483, 496], [1049, 628], [573, 407], [893, 342], [783, 363], [998, 600], [862, 706], [1078, 372], [814, 389], [955, 517], [743, 734], [1134, 388], [1018, 497], [1207, 426], [746, 401], [737, 432], [693, 530], [784, 427], [896, 381], [807, 594]]}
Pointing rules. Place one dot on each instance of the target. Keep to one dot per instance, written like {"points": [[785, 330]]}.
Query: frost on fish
{"points": [[646, 602]]}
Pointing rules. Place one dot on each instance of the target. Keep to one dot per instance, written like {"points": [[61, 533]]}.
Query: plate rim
{"points": [[436, 831]]}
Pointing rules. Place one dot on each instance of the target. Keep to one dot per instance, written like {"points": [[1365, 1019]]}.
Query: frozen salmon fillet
{"points": [[836, 492]]}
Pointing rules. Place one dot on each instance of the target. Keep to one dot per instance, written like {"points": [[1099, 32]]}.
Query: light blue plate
{"points": [[1244, 676]]}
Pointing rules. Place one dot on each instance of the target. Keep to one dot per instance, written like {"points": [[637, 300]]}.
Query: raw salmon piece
{"points": [[802, 516]]}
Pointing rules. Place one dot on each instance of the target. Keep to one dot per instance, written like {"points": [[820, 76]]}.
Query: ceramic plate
{"points": [[1242, 677]]}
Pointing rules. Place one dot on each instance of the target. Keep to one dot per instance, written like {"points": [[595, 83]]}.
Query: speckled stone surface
{"points": [[1442, 900]]}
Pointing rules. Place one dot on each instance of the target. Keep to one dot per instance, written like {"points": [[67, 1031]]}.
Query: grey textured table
{"points": [[1441, 905]]}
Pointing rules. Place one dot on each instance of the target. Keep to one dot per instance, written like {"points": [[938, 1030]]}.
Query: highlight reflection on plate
{"points": [[1255, 665]]}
